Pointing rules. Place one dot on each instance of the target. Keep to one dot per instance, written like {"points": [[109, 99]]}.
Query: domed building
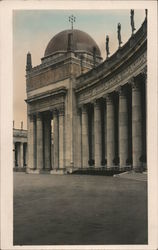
{"points": [[95, 109], [80, 42]]}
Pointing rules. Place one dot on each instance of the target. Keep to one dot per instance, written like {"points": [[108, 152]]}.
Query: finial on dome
{"points": [[28, 62], [72, 19]]}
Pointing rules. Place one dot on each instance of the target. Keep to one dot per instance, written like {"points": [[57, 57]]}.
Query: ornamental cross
{"points": [[72, 19]]}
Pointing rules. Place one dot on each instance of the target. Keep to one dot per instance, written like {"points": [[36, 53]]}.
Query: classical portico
{"points": [[95, 110]]}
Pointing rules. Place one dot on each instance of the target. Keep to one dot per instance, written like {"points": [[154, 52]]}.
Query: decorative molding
{"points": [[103, 87]]}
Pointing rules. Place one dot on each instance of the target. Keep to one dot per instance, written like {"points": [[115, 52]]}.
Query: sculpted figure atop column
{"points": [[132, 21], [107, 46], [119, 34]]}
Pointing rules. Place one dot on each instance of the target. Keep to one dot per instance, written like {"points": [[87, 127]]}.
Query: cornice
{"points": [[58, 91], [120, 58]]}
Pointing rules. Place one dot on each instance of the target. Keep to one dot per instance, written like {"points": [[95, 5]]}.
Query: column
{"points": [[25, 154], [13, 154], [105, 132], [47, 141], [143, 78], [110, 131], [84, 121], [18, 154], [97, 134], [31, 142], [61, 137], [39, 141], [78, 144], [136, 126], [21, 159], [56, 139], [123, 128]]}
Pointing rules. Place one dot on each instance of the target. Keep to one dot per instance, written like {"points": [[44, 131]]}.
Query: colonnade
{"points": [[19, 154], [40, 155], [111, 132], [117, 135]]}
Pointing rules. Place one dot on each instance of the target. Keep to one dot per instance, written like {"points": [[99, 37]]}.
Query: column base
{"points": [[58, 171], [32, 171], [125, 167], [138, 169], [19, 169]]}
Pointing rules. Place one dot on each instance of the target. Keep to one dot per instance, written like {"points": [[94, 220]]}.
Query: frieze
{"points": [[46, 104], [98, 89]]}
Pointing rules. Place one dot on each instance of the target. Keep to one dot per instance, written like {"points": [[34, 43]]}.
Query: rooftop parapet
{"points": [[109, 63]]}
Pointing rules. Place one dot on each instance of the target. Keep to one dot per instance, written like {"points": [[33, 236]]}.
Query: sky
{"points": [[33, 29]]}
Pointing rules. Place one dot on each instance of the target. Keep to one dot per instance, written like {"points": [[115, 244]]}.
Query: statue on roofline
{"points": [[132, 21], [119, 34], [107, 46]]}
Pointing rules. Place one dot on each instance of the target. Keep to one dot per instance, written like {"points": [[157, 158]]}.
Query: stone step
{"points": [[133, 176]]}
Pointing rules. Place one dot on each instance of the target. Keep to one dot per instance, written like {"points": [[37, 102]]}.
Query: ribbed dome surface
{"points": [[81, 42]]}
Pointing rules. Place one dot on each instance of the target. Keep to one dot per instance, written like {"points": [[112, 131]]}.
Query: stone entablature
{"points": [[47, 101], [130, 62], [20, 135], [120, 57], [102, 87]]}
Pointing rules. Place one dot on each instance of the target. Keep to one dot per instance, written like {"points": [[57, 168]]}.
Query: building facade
{"points": [[19, 149], [95, 109]]}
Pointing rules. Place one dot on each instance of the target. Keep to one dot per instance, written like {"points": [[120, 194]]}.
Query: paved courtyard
{"points": [[79, 209]]}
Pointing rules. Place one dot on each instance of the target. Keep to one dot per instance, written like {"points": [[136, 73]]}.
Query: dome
{"points": [[81, 42]]}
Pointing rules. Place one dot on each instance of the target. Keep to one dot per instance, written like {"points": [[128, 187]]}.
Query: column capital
{"points": [[38, 115], [84, 108], [31, 117], [108, 98], [135, 86], [55, 111], [79, 110], [121, 91], [133, 83], [144, 73], [96, 103], [61, 110]]}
